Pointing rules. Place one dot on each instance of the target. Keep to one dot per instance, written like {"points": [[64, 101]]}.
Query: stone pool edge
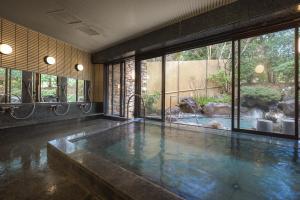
{"points": [[100, 176]]}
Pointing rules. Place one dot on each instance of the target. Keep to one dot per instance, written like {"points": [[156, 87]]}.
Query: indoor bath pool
{"points": [[198, 165]]}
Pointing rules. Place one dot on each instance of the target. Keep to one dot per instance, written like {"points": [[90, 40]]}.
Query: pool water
{"points": [[245, 123], [197, 165]]}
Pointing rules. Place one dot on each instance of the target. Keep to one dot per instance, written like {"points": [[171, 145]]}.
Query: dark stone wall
{"points": [[42, 114]]}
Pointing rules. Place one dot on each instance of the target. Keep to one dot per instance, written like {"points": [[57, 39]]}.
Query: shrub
{"points": [[202, 101], [222, 79], [150, 101], [261, 97]]}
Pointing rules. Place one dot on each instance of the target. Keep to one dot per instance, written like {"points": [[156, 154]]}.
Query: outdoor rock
{"points": [[215, 125], [188, 105], [287, 107], [217, 109]]}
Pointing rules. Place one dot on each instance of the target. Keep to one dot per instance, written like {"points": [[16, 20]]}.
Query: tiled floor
{"points": [[24, 172]]}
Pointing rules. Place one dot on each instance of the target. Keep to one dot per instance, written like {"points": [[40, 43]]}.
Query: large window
{"points": [[121, 85], [151, 86], [198, 86], [15, 93], [71, 90], [80, 91], [2, 84], [267, 92], [48, 88]]}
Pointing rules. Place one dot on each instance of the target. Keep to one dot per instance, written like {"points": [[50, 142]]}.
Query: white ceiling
{"points": [[93, 25]]}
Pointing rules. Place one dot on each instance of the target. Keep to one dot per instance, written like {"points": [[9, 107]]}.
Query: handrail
{"points": [[140, 97]]}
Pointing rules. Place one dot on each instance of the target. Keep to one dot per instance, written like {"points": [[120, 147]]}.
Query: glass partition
{"points": [[15, 93], [80, 91], [71, 90], [2, 84], [198, 86], [151, 86], [48, 88], [267, 92]]}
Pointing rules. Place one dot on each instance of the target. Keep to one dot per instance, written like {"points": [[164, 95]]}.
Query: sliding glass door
{"points": [[114, 89], [198, 86], [266, 83], [120, 84], [151, 86]]}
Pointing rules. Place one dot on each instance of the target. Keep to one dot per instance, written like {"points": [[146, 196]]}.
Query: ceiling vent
{"points": [[87, 30], [64, 16]]}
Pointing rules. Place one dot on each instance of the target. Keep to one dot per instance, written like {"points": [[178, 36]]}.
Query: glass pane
{"points": [[48, 88], [267, 82], [15, 86], [81, 91], [71, 90], [151, 82], [2, 84], [198, 86], [129, 86], [116, 89]]}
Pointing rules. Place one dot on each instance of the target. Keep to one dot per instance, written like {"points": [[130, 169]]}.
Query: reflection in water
{"points": [[206, 166]]}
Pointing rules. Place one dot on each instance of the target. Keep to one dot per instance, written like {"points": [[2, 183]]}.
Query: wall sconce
{"points": [[79, 67], [49, 60], [259, 69], [5, 49], [298, 7]]}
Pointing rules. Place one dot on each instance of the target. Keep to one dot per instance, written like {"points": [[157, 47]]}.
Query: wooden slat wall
{"points": [[52, 52], [43, 52], [21, 48], [33, 51], [9, 37], [98, 83], [68, 63], [60, 47], [80, 60], [30, 48], [74, 62]]}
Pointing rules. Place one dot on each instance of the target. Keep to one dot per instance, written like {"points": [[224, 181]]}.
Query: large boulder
{"points": [[211, 109], [188, 105], [173, 111], [214, 124], [287, 107]]}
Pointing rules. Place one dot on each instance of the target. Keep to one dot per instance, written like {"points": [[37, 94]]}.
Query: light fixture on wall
{"points": [[79, 67], [49, 60], [298, 7], [5, 49], [259, 69]]}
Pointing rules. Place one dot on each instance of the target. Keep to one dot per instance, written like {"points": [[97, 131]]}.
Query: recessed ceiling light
{"points": [[49, 60], [5, 49], [79, 67]]}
